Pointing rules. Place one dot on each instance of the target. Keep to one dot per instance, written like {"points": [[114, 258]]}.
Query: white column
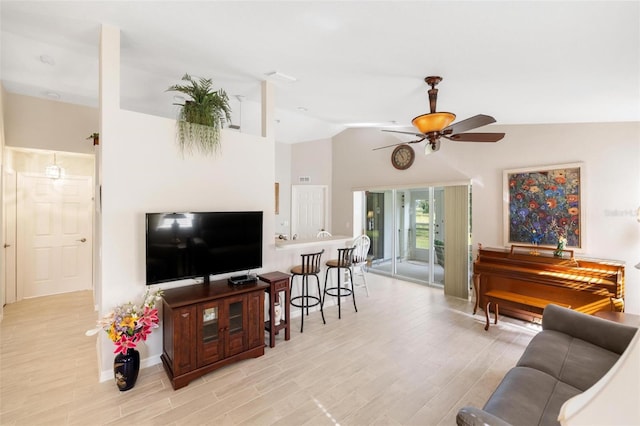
{"points": [[268, 110], [109, 106]]}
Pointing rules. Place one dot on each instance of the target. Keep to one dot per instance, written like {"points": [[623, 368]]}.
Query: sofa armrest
{"points": [[604, 333], [472, 416]]}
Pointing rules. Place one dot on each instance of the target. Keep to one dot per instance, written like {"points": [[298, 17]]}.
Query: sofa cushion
{"points": [[529, 397], [607, 334], [570, 360]]}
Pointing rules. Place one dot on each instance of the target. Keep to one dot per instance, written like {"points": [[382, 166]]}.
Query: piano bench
{"points": [[515, 299]]}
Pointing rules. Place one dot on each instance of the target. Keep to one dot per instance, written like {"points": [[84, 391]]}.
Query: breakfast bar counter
{"points": [[287, 255], [319, 243]]}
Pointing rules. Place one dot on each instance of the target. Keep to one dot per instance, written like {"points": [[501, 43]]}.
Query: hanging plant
{"points": [[201, 117]]}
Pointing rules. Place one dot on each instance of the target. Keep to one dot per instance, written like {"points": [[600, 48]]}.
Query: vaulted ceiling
{"points": [[353, 61]]}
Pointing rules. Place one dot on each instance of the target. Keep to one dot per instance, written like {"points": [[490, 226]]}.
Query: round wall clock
{"points": [[402, 157]]}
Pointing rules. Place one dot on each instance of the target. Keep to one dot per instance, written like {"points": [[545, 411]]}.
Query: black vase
{"points": [[125, 369]]}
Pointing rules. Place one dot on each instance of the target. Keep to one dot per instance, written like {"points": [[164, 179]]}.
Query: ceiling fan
{"points": [[436, 125]]}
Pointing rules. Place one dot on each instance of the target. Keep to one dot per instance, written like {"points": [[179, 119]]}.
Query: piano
{"points": [[529, 277]]}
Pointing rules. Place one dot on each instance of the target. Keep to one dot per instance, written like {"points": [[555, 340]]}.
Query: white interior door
{"points": [[9, 246], [54, 235], [309, 210]]}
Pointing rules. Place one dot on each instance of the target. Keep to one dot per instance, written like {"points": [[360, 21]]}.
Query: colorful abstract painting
{"points": [[544, 205]]}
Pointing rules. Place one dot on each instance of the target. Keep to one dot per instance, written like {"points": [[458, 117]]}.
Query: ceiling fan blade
{"points": [[476, 137], [388, 146], [468, 124], [420, 135], [396, 144]]}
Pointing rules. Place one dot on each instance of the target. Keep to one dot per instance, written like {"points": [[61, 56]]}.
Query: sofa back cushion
{"points": [[570, 360], [604, 333]]}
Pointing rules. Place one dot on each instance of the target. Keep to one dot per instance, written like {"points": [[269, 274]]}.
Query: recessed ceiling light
{"points": [[178, 98], [277, 75], [53, 95], [46, 59], [302, 109]]}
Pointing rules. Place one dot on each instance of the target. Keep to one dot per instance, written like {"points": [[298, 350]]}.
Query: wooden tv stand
{"points": [[208, 326]]}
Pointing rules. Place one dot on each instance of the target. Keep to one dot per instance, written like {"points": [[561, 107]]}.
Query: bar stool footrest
{"points": [[344, 291], [316, 301]]}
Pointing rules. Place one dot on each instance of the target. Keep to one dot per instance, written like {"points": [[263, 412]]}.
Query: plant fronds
{"points": [[193, 137], [201, 117]]}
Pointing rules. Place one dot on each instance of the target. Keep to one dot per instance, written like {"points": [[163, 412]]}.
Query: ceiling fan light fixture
{"points": [[433, 122], [436, 125]]}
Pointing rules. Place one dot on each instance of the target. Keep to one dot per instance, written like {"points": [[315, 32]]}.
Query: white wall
{"points": [[313, 160], [53, 125], [142, 170], [283, 177], [610, 153]]}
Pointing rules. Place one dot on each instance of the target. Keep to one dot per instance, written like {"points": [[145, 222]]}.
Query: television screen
{"points": [[200, 244]]}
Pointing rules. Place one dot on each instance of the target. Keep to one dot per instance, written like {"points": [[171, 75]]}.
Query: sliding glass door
{"points": [[406, 228], [375, 224]]}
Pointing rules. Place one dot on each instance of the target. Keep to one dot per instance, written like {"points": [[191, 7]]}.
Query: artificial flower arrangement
{"points": [[129, 324]]}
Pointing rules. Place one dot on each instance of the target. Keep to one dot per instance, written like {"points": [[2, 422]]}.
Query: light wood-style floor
{"points": [[410, 356]]}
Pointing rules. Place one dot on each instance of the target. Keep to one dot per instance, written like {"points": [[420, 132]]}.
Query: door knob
{"points": [[82, 240], [7, 245]]}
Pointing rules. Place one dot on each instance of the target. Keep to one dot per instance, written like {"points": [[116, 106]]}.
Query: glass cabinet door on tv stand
{"points": [[207, 326], [209, 346], [221, 329]]}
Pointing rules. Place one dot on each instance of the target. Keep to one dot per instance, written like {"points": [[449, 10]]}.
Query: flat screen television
{"points": [[200, 244]]}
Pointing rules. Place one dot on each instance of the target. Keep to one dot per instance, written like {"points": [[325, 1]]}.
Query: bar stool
{"points": [[310, 266], [360, 260], [344, 261]]}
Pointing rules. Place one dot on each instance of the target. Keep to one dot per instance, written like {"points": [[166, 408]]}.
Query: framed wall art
{"points": [[543, 205]]}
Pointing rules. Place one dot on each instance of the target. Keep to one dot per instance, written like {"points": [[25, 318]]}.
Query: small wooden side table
{"points": [[278, 282]]}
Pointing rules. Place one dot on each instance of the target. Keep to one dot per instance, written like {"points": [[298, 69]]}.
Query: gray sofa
{"points": [[571, 353]]}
